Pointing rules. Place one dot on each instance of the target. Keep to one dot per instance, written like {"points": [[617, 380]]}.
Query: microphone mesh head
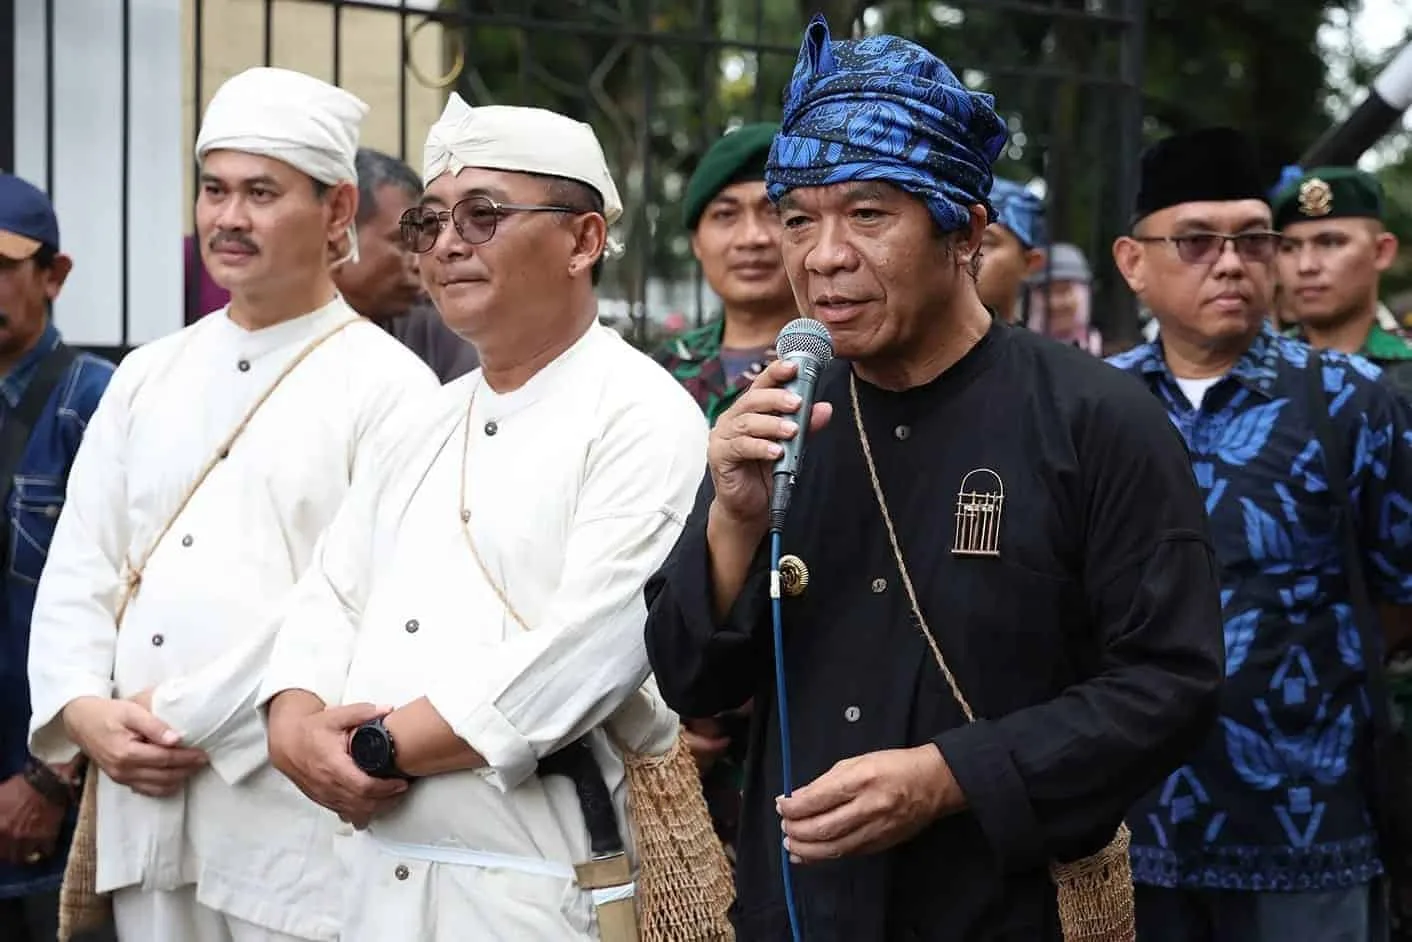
{"points": [[805, 335]]}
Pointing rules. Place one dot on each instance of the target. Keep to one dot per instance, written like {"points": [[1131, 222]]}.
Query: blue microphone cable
{"points": [[777, 616]]}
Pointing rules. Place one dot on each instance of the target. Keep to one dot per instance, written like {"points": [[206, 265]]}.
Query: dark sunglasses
{"points": [[474, 217], [1203, 248]]}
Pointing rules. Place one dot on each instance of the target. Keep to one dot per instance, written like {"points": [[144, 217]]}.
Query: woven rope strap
{"points": [[81, 906], [1096, 893]]}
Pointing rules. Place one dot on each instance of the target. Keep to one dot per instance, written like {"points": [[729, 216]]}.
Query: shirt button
{"points": [[852, 713], [879, 585], [401, 872], [51, 511], [902, 432], [243, 366], [491, 428], [158, 641], [187, 540], [412, 626]]}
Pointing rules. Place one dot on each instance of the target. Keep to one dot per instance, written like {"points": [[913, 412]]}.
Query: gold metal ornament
{"points": [[446, 80], [1316, 198], [794, 575], [979, 503]]}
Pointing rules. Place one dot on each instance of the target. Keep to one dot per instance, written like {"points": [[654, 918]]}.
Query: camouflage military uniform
{"points": [[694, 358], [1391, 351]]}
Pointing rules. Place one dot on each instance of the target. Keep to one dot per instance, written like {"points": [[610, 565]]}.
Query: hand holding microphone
{"points": [[757, 444]]}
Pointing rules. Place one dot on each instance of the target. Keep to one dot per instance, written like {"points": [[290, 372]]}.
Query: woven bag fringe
{"points": [[684, 884], [1096, 894], [81, 907]]}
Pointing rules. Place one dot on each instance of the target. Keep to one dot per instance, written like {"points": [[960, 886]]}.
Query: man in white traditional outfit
{"points": [[488, 582], [211, 467]]}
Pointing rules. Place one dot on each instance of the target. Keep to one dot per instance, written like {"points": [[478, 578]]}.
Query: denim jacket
{"points": [[31, 511]]}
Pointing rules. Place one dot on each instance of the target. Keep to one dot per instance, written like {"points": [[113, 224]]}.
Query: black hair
{"points": [[377, 170], [950, 243], [581, 198]]}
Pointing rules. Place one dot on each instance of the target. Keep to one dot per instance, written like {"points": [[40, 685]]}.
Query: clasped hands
{"points": [[868, 803], [131, 745], [309, 746]]}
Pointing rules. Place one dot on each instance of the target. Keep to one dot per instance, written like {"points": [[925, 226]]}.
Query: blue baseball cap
{"points": [[27, 220]]}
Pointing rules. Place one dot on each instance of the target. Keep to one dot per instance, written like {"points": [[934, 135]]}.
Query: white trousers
{"points": [[395, 897], [175, 916]]}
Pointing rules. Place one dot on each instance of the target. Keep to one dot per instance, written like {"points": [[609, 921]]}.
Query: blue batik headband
{"points": [[1018, 210], [884, 108]]}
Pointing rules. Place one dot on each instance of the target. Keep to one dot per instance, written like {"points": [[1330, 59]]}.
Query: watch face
{"points": [[371, 749]]}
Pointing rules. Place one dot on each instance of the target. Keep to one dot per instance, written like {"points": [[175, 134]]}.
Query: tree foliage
{"points": [[660, 79]]}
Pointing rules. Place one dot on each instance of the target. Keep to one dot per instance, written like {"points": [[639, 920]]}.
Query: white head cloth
{"points": [[521, 140], [292, 117]]}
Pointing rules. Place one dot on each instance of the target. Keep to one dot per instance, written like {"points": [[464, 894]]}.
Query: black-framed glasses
{"points": [[474, 217], [1203, 248]]}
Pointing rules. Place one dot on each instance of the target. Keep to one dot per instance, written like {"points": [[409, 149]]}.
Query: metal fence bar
{"points": [[337, 41], [125, 163], [49, 48], [9, 44], [1052, 12], [703, 140], [758, 92], [403, 53], [1102, 83], [193, 265], [1120, 305], [644, 236], [451, 20]]}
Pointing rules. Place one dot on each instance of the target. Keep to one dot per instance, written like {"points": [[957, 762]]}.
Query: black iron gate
{"points": [[659, 79]]}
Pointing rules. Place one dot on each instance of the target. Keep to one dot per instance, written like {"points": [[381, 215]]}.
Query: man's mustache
{"points": [[223, 239]]}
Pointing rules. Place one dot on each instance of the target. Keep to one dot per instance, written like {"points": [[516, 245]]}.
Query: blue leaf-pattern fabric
{"points": [[1240, 635], [1018, 210], [884, 108], [1274, 800]]}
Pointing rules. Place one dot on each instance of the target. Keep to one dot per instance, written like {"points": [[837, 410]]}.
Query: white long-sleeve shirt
{"points": [[578, 484], [253, 845]]}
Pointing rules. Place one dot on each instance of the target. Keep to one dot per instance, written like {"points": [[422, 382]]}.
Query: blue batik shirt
{"points": [[1274, 800]]}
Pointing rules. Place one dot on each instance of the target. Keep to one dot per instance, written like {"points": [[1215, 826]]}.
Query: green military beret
{"points": [[1329, 193], [738, 156]]}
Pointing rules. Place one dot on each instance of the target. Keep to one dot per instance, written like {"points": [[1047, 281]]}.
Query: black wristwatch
{"points": [[47, 782], [373, 751]]}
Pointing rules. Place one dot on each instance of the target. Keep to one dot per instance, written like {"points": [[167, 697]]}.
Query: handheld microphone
{"points": [[807, 344]]}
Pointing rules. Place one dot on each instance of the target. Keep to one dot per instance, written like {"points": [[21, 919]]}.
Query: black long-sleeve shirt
{"points": [[1091, 647]]}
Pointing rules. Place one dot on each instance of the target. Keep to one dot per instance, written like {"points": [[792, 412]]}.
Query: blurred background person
{"points": [[1010, 248], [735, 236], [383, 283], [1061, 298], [47, 395], [1332, 257]]}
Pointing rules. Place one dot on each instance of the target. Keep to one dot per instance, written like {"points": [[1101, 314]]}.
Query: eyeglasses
{"points": [[474, 217], [1203, 248]]}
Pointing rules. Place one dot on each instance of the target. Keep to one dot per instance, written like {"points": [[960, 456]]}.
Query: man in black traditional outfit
{"points": [[1083, 629]]}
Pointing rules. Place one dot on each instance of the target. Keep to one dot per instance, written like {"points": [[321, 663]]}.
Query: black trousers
{"points": [[1351, 915], [36, 919]]}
